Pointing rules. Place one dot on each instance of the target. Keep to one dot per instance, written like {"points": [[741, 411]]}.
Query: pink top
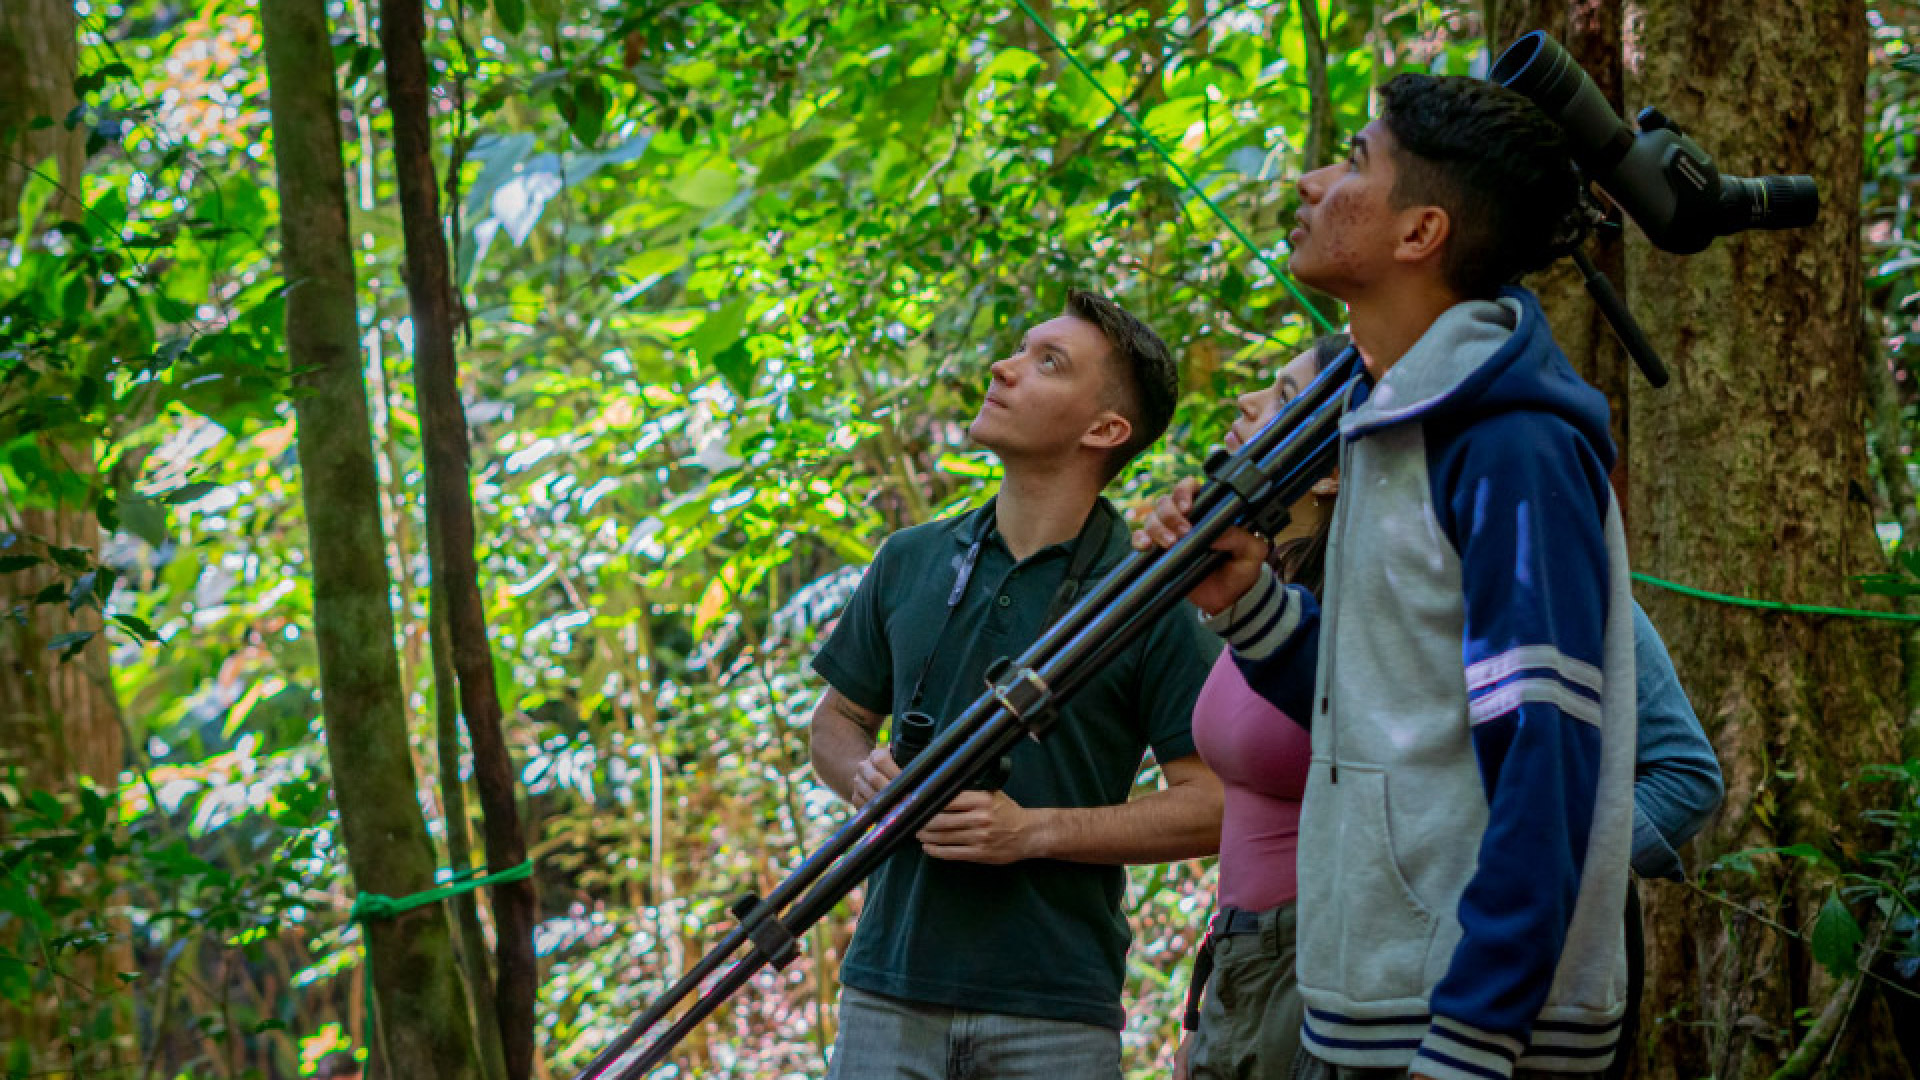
{"points": [[1261, 758]]}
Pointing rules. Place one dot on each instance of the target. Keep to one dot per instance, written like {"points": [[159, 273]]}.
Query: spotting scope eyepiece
{"points": [[1658, 175]]}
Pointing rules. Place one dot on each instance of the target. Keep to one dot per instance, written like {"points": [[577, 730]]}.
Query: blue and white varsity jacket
{"points": [[1469, 808]]}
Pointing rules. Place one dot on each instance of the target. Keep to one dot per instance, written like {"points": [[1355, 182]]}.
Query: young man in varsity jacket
{"points": [[1469, 680]]}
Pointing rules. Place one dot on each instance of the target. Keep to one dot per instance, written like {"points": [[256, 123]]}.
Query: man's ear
{"points": [[1108, 431], [1424, 231]]}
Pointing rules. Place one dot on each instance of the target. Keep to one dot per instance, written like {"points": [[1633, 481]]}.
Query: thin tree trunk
{"points": [[1320, 123], [423, 1027], [453, 803], [450, 529], [1745, 473]]}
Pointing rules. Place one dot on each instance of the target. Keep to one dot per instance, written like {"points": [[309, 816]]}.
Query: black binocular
{"points": [[913, 732]]}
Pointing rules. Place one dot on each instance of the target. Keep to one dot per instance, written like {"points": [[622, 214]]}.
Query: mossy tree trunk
{"points": [[424, 1027], [1748, 474]]}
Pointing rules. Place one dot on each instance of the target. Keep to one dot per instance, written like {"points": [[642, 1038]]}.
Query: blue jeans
{"points": [[883, 1038]]}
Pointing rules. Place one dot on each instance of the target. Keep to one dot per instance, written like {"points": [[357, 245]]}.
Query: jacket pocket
{"points": [[1364, 934]]}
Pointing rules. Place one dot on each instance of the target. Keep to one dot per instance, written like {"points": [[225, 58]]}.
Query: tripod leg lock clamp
{"points": [[1022, 692], [769, 935], [1239, 475], [1250, 482]]}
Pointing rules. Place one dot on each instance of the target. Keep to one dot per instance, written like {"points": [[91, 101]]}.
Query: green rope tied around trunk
{"points": [[1326, 326], [370, 906], [1772, 605], [374, 906]]}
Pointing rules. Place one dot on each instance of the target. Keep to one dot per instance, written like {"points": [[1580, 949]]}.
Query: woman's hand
{"points": [[1166, 522]]}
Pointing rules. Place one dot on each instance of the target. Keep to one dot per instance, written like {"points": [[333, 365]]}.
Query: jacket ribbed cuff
{"points": [[1261, 621], [1456, 1051]]}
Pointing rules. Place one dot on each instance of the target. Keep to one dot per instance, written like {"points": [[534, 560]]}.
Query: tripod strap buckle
{"points": [[769, 935]]}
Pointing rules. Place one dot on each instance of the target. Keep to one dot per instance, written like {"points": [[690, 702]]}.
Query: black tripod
{"points": [[1253, 487]]}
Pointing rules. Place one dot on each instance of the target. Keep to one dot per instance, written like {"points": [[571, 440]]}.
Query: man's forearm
{"points": [[837, 746], [1175, 823]]}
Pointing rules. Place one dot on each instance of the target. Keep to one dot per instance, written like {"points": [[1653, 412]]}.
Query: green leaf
{"points": [[137, 626], [796, 160], [34, 196], [720, 330], [589, 110], [512, 14], [737, 366], [14, 563], [1909, 62], [1836, 938], [186, 493], [705, 188], [144, 518], [70, 643]]}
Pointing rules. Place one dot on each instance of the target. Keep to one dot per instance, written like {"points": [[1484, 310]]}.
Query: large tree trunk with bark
{"points": [[450, 530], [424, 1027], [1748, 478], [59, 718]]}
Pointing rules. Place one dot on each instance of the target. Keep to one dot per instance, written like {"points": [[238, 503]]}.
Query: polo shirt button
{"points": [[1005, 599]]}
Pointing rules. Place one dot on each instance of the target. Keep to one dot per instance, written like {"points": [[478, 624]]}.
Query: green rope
{"points": [[1772, 605], [1312, 312], [374, 906], [369, 906]]}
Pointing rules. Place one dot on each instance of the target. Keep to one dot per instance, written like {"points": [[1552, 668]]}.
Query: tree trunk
{"points": [[1747, 469], [450, 531], [423, 1025], [1590, 30], [39, 59], [59, 719]]}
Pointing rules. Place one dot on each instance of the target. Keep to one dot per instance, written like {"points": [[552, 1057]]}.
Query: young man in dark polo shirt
{"points": [[995, 950]]}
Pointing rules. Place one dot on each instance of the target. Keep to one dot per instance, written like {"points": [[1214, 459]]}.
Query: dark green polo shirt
{"points": [[1041, 937]]}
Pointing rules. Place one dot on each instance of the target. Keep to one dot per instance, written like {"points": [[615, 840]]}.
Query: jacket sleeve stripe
{"points": [[1496, 668], [1263, 621], [1512, 695]]}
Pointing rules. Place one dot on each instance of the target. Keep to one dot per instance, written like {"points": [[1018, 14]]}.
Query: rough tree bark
{"points": [[59, 719], [1590, 30], [424, 1027], [1746, 471], [450, 530]]}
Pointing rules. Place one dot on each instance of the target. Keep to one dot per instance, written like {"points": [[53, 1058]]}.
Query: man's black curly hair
{"points": [[1495, 163]]}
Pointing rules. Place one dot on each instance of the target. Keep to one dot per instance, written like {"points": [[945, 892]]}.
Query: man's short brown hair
{"points": [[1147, 381]]}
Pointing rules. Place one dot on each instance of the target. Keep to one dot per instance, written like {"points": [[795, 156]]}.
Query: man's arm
{"points": [[1180, 821], [1525, 503], [841, 741], [1676, 784]]}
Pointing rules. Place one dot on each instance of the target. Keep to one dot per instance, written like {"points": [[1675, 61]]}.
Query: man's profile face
{"points": [[1051, 392], [1348, 227]]}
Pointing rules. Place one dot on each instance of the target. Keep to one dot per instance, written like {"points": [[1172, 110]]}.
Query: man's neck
{"points": [[1385, 324], [1037, 508]]}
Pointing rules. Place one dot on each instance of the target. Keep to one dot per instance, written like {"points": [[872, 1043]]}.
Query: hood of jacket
{"points": [[1482, 357]]}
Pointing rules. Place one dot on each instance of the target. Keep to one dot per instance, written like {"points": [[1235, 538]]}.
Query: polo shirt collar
{"points": [[982, 523]]}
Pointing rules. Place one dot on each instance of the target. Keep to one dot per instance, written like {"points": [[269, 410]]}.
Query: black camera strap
{"points": [[1087, 548]]}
